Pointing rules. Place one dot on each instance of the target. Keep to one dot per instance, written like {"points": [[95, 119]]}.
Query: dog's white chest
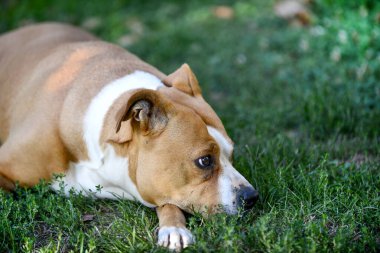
{"points": [[111, 180]]}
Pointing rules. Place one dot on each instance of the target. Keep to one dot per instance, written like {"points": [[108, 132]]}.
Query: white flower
{"points": [[317, 31], [342, 36], [335, 54], [304, 45]]}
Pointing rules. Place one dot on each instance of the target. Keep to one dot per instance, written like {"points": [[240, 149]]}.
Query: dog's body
{"points": [[72, 104]]}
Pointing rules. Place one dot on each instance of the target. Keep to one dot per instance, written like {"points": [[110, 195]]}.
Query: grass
{"points": [[301, 103]]}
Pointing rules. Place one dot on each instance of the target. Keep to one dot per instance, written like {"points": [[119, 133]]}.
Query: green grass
{"points": [[302, 105]]}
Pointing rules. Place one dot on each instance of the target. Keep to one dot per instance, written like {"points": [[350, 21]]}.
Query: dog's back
{"points": [[48, 75], [21, 52]]}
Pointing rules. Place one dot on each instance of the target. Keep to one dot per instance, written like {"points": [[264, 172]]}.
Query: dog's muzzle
{"points": [[247, 197]]}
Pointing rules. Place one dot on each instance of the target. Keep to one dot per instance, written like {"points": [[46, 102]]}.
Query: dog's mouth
{"points": [[245, 198]]}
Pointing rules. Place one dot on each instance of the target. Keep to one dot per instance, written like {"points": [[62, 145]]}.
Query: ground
{"points": [[302, 104]]}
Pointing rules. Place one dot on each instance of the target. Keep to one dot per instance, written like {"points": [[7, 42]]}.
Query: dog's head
{"points": [[178, 149]]}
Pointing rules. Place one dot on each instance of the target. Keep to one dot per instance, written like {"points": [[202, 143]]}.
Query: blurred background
{"points": [[296, 84], [302, 66]]}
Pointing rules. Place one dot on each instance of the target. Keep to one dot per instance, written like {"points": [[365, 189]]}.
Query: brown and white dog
{"points": [[72, 104]]}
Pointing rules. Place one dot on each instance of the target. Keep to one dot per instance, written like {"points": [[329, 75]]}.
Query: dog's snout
{"points": [[247, 197]]}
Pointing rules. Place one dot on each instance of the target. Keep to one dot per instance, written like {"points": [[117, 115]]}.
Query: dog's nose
{"points": [[247, 197]]}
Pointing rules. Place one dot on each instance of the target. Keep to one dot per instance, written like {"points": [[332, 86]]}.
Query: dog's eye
{"points": [[205, 162]]}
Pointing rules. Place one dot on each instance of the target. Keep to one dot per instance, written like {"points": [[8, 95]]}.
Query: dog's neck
{"points": [[104, 167], [94, 118]]}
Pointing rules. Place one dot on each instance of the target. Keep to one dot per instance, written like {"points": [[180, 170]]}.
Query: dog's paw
{"points": [[174, 238]]}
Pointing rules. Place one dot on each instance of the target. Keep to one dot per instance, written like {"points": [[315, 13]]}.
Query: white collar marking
{"points": [[105, 168], [100, 104]]}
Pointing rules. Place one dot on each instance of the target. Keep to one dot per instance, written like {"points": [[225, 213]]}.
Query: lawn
{"points": [[302, 104]]}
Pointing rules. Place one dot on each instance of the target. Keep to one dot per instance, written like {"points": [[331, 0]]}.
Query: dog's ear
{"points": [[145, 111], [184, 80]]}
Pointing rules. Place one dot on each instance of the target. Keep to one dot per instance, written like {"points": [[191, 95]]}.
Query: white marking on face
{"points": [[104, 168], [230, 178]]}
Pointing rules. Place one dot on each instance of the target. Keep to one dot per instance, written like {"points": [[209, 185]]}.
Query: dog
{"points": [[114, 126]]}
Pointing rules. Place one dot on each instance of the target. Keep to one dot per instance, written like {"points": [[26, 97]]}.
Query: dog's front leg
{"points": [[172, 232]]}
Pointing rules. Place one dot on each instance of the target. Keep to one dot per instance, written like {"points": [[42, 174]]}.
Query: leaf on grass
{"points": [[127, 40], [91, 23], [293, 10], [223, 12], [88, 217]]}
